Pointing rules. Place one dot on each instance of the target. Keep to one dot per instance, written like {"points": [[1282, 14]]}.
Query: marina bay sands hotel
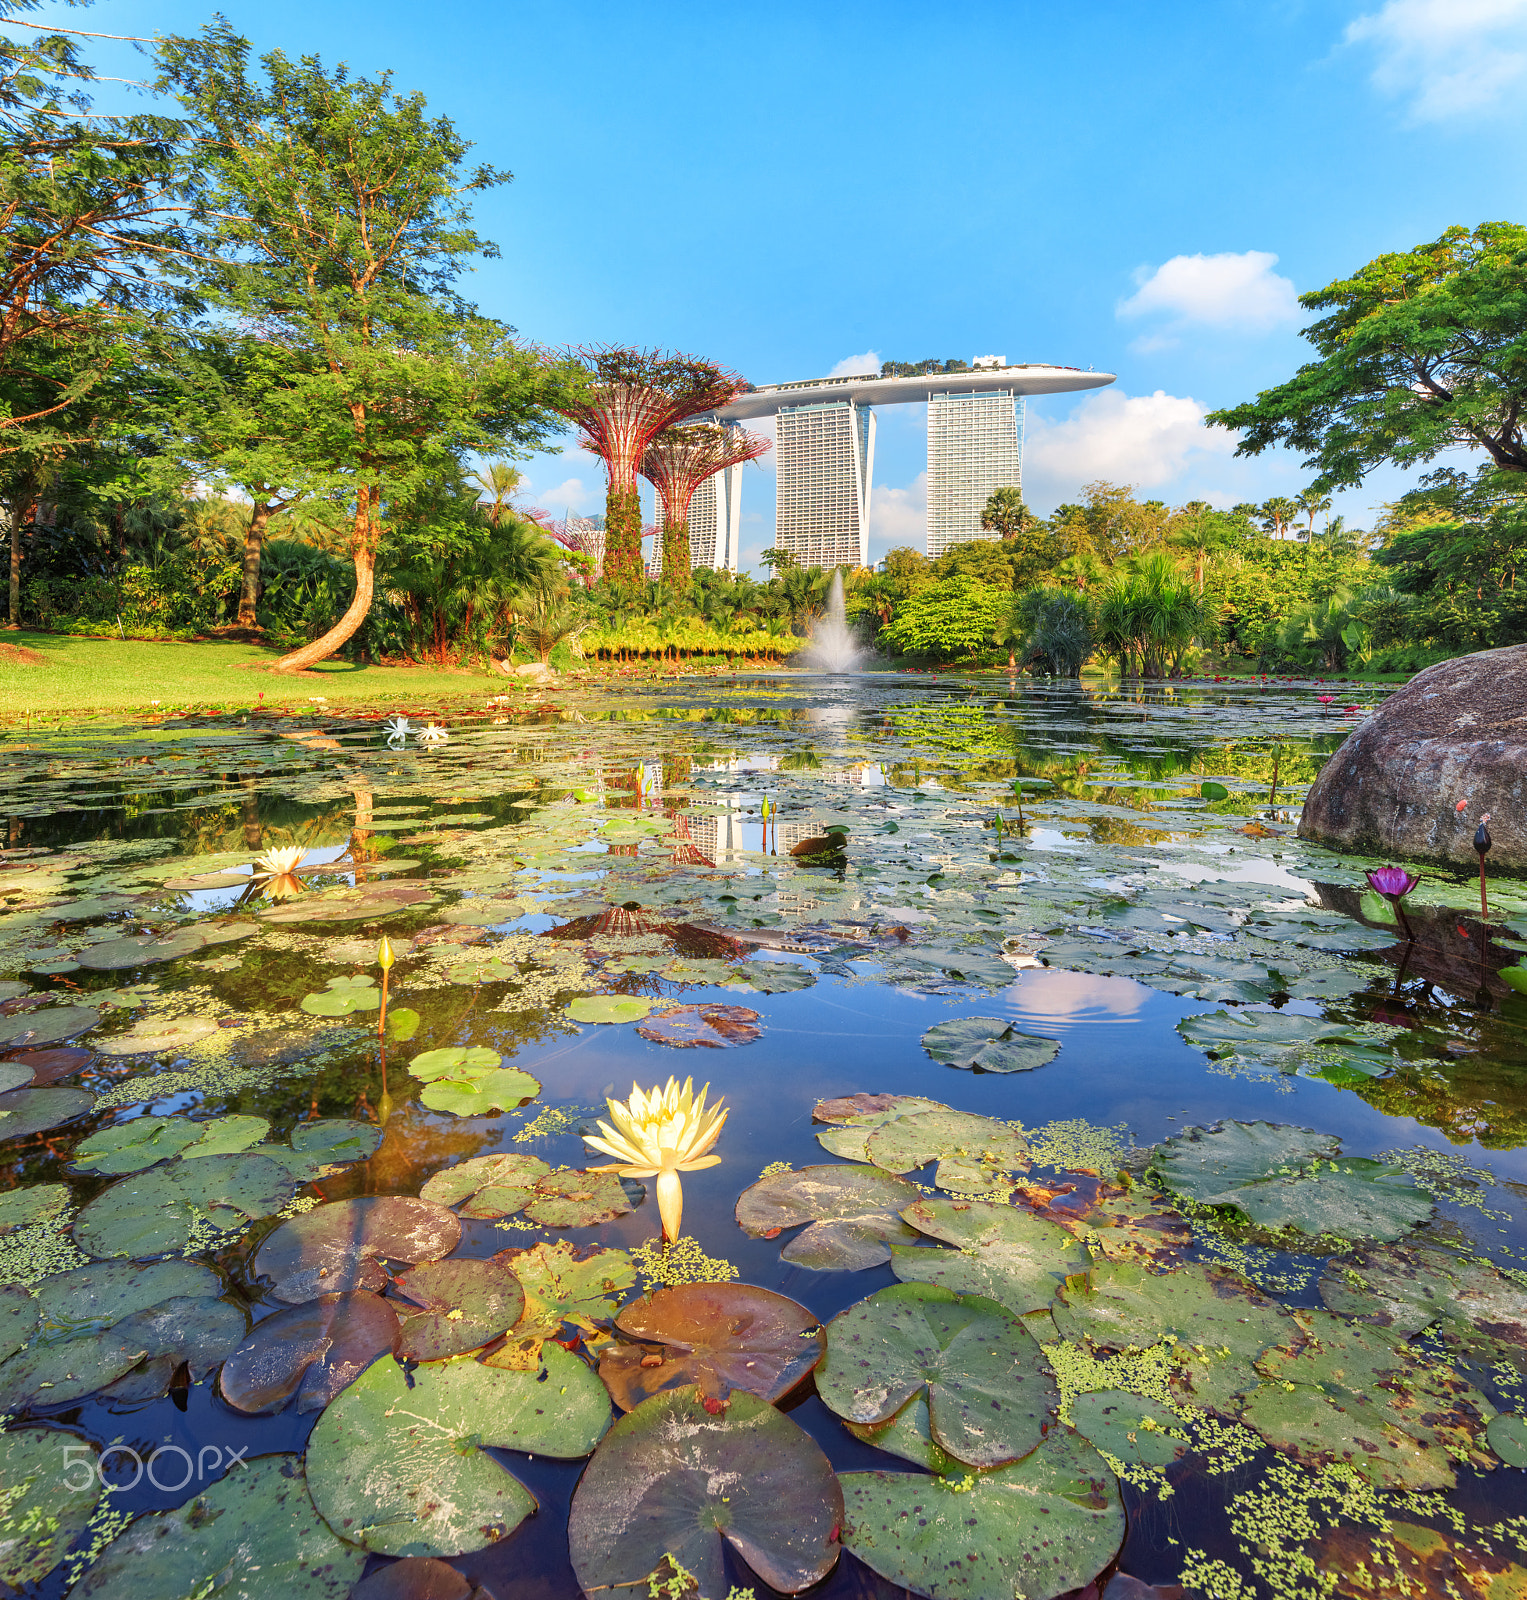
{"points": [[825, 457]]}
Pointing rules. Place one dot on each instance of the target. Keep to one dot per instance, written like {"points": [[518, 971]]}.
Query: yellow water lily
{"points": [[661, 1134]]}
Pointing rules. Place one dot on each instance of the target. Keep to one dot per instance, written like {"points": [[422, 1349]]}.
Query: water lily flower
{"points": [[433, 734], [397, 729], [1482, 843], [1394, 883], [277, 869], [661, 1134]]}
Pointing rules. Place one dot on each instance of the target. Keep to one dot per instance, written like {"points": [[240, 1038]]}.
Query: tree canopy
{"points": [[1421, 351]]}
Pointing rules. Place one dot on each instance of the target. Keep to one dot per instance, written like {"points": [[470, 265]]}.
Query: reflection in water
{"points": [[1052, 1000]]}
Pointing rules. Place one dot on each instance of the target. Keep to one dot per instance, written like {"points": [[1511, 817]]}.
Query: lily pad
{"points": [[45, 1508], [405, 1471], [37, 1203], [341, 1245], [167, 1209], [1043, 1527], [1216, 1323], [1407, 1288], [1214, 791], [570, 1198], [468, 1081], [717, 1027], [487, 1186], [990, 1390], [1002, 1252], [28, 1111], [51, 1025], [455, 1306], [853, 1212], [90, 1298], [342, 996], [774, 977], [417, 1578], [455, 1059], [853, 1118], [117, 955], [135, 1145], [1285, 1177], [1355, 1393], [609, 1008], [197, 1332], [374, 903], [1507, 1437], [678, 1480], [193, 1549], [312, 1351], [988, 1044], [49, 1066], [227, 1136], [151, 1037], [716, 1336], [1128, 1428], [13, 1075], [19, 1315], [564, 1284], [325, 1143], [973, 1153], [1263, 1036]]}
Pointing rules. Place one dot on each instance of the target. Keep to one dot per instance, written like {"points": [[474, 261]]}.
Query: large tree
{"points": [[88, 222], [334, 222], [1421, 351], [676, 463]]}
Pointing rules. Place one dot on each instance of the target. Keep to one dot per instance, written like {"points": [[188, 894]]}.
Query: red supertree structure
{"points": [[629, 397], [677, 462]]}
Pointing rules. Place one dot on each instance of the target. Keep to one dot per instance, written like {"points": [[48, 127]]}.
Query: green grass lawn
{"points": [[82, 676]]}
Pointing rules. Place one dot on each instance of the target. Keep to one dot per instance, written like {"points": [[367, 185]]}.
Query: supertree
{"points": [[677, 462], [629, 397]]}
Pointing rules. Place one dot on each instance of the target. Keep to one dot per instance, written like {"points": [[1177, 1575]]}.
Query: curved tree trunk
{"points": [[254, 544], [363, 542]]}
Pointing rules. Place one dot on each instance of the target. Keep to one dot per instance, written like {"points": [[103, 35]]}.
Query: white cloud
{"points": [[857, 366], [1230, 291], [572, 494], [1447, 58], [899, 517], [1147, 440]]}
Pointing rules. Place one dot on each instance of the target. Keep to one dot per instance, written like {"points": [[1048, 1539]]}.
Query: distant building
{"points": [[975, 445], [825, 447], [825, 461], [715, 521]]}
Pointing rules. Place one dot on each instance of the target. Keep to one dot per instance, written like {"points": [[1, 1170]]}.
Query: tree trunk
{"points": [[254, 544], [676, 553], [363, 542]]}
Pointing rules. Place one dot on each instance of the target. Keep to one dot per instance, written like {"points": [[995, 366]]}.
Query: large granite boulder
{"points": [[1457, 731]]}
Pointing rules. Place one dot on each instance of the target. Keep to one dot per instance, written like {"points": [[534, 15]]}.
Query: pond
{"points": [[1107, 1187]]}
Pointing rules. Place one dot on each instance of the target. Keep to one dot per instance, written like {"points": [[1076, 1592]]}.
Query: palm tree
{"points": [[1312, 502], [1195, 532], [543, 619], [1005, 513], [500, 480], [1279, 512]]}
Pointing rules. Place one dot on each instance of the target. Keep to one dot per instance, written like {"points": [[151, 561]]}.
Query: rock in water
{"points": [[1457, 731]]}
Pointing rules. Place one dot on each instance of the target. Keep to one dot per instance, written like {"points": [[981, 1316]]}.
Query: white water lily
{"points": [[434, 734], [277, 869], [397, 729], [661, 1134]]}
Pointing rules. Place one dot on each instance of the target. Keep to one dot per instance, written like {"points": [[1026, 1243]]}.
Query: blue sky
{"points": [[786, 187]]}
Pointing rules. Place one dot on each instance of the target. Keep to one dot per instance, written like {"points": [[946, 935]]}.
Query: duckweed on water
{"points": [[1227, 1311]]}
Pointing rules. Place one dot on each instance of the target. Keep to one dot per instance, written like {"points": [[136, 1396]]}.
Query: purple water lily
{"points": [[1394, 883]]}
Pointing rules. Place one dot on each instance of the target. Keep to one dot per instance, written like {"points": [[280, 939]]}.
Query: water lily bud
{"points": [[384, 955], [1482, 840]]}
